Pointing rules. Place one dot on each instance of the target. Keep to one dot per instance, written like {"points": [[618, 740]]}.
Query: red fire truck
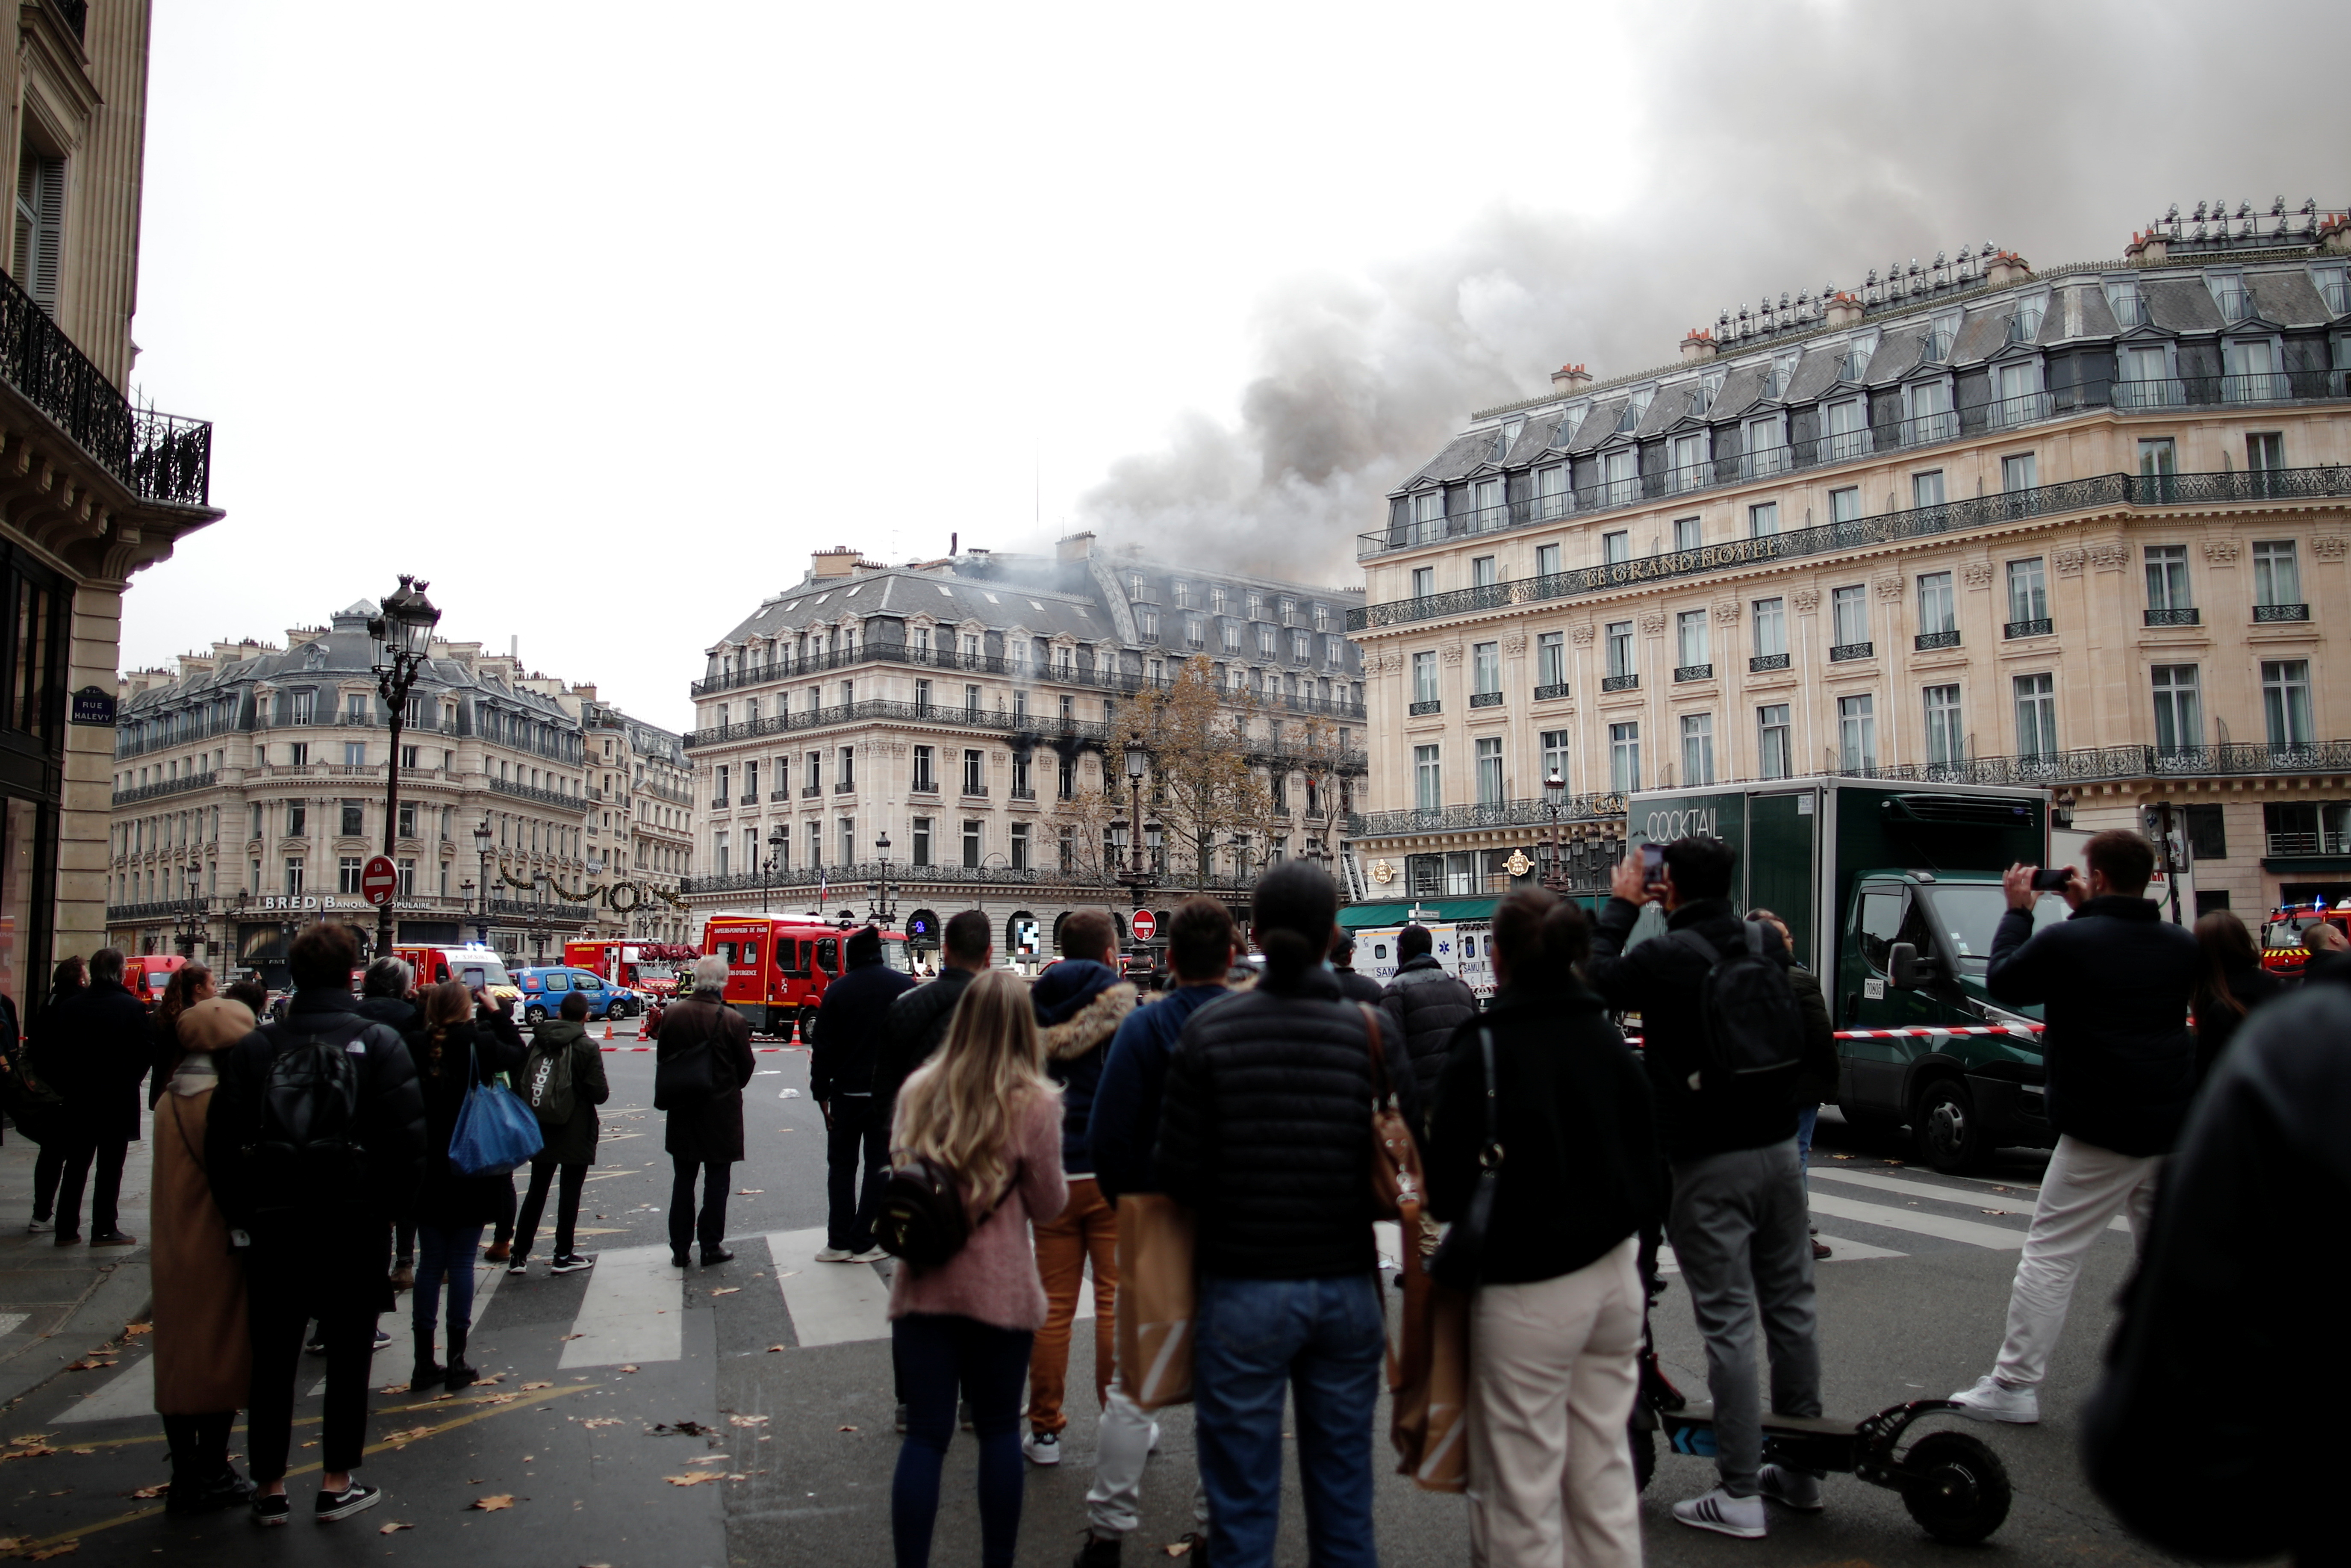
{"points": [[778, 966], [652, 967], [2282, 952]]}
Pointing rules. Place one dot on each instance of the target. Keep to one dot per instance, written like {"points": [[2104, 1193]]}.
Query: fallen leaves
{"points": [[145, 1494], [601, 1421], [401, 1439], [746, 1420], [574, 1337], [89, 1364], [33, 1452], [395, 1388], [844, 1428], [48, 1552], [132, 1330], [750, 1192], [696, 1480], [394, 1528], [81, 1450], [492, 1504], [628, 1369], [541, 1384], [502, 1399], [773, 1348], [1179, 1548], [726, 1290], [680, 1428]]}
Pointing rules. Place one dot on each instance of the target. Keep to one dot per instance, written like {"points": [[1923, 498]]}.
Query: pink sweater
{"points": [[994, 1278]]}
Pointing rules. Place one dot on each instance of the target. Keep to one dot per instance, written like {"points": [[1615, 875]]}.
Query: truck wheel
{"points": [[1958, 1492], [808, 1026], [1950, 1135]]}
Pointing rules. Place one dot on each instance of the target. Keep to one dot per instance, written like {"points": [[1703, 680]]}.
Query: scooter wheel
{"points": [[1644, 1457], [1960, 1493]]}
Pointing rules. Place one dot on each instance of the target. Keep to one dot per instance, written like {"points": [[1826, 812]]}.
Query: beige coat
{"points": [[203, 1358]]}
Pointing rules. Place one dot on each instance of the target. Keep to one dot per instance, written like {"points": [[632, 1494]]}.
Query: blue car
{"points": [[543, 990]]}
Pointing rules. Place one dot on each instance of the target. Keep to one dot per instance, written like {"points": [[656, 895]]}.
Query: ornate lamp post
{"points": [[779, 837], [1138, 762], [481, 843], [885, 909], [1554, 789], [191, 915], [403, 637]]}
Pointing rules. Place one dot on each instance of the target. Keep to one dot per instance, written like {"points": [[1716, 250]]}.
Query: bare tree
{"points": [[1196, 734]]}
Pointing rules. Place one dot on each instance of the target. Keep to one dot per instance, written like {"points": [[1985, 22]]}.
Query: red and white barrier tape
{"points": [[1908, 1033]]}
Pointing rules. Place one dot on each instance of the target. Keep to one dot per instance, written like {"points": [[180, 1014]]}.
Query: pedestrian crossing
{"points": [[633, 1305]]}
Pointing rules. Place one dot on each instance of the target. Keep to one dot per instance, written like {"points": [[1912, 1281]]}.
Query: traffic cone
{"points": [[608, 1028]]}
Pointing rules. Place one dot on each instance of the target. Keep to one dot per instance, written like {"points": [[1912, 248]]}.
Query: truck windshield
{"points": [[894, 953], [479, 971], [1970, 913]]}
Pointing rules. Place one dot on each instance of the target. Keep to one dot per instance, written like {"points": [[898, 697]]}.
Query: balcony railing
{"points": [[1619, 682], [1485, 699], [1503, 814], [160, 456], [1550, 693], [1925, 430], [846, 880], [1097, 678], [544, 797], [1926, 640], [1762, 662], [1693, 673], [1844, 652], [1425, 707], [2040, 627], [2279, 845], [2175, 617], [179, 786], [2099, 491], [2281, 613]]}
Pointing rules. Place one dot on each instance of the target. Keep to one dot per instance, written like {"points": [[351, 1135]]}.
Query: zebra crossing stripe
{"points": [[634, 1310]]}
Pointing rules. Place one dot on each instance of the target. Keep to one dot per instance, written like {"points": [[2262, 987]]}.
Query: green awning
{"points": [[1370, 916]]}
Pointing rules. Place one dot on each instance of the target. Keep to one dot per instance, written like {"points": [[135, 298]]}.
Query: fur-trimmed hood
{"points": [[1092, 1025]]}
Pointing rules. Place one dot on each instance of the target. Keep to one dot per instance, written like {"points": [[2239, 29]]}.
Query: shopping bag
{"points": [[496, 1132], [1158, 1295], [1429, 1378]]}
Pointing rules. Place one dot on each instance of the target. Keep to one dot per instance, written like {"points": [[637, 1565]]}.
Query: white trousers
{"points": [[2084, 1188], [1122, 1449], [1551, 1382]]}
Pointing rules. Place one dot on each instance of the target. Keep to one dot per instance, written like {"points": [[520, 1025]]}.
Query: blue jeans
{"points": [[1807, 1117], [444, 1249], [1322, 1341], [935, 1354]]}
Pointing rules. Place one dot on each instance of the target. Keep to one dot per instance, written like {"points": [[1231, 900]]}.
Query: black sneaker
{"points": [[678, 1259], [1098, 1551], [518, 1264], [269, 1510], [353, 1498], [68, 1237], [572, 1263], [224, 1490]]}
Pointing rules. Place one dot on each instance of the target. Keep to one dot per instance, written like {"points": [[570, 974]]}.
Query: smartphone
{"points": [[1653, 862], [2052, 878]]}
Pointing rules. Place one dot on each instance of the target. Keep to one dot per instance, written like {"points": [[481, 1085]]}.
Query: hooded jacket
{"points": [[574, 1142], [1124, 1122], [2114, 980], [849, 1025], [1080, 1003], [1427, 1004]]}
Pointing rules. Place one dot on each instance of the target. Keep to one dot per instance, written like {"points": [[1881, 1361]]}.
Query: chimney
{"points": [[1844, 309], [1569, 380], [1077, 546], [827, 564], [1697, 345], [2005, 268], [2148, 249]]}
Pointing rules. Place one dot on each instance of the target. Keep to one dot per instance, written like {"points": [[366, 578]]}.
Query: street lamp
{"points": [[884, 910], [1554, 789], [402, 630], [1138, 761], [481, 843], [191, 915], [778, 838]]}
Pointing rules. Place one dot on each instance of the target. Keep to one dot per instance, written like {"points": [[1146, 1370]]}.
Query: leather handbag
{"points": [[1397, 1182], [1158, 1297], [1460, 1257]]}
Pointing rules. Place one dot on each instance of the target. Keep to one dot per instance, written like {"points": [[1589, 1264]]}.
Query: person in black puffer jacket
{"points": [[451, 1051], [1556, 1315], [1427, 1003], [849, 1027], [1265, 1134], [917, 1020], [2114, 978]]}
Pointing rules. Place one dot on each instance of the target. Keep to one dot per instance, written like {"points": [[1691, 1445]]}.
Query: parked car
{"points": [[543, 990]]}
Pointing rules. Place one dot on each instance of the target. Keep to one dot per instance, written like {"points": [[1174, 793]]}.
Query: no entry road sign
{"points": [[1146, 925], [378, 880]]}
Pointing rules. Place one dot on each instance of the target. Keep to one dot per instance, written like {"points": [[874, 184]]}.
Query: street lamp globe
{"points": [[1137, 760], [404, 626], [1554, 789], [881, 845]]}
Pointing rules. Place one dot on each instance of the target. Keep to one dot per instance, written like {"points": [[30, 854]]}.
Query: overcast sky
{"points": [[601, 317]]}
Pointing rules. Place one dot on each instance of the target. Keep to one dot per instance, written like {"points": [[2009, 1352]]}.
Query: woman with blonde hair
{"points": [[982, 1109], [203, 1356]]}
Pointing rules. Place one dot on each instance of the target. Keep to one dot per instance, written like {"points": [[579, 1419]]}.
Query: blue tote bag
{"points": [[496, 1130]]}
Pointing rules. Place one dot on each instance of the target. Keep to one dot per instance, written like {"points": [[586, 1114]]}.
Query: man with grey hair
{"points": [[94, 1051], [701, 1063]]}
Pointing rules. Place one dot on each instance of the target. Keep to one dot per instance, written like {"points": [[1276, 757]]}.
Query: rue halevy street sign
{"points": [[93, 705]]}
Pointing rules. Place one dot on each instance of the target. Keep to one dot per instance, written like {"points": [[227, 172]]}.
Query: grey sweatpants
{"points": [[1740, 1233]]}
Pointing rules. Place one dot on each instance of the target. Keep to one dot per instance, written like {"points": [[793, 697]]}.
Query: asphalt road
{"points": [[781, 1365]]}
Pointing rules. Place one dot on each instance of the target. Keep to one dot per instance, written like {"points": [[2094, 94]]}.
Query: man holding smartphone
{"points": [[2114, 981]]}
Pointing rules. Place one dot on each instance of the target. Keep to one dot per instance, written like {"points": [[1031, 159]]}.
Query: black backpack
{"points": [[1752, 1033], [307, 1155], [920, 1216]]}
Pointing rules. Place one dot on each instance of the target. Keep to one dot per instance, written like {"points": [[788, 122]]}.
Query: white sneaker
{"points": [[871, 1255], [1041, 1447], [835, 1255], [1790, 1488], [1155, 1439], [38, 1227], [1726, 1515], [1993, 1400]]}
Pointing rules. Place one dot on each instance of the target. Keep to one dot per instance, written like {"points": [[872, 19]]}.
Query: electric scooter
{"points": [[1952, 1483]]}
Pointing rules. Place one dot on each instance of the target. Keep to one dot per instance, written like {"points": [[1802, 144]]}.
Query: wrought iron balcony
{"points": [[1925, 641], [1619, 682], [179, 786], [159, 457], [1485, 699], [1844, 652], [1431, 704], [808, 792], [846, 878], [2281, 613], [2012, 630], [1599, 806], [845, 787], [2182, 616], [1550, 693], [2281, 845], [1694, 673], [1762, 663], [543, 797]]}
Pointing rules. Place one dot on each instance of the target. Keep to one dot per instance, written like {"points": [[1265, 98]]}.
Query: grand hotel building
{"points": [[2082, 525]]}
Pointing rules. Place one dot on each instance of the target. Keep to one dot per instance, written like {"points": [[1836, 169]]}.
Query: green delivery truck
{"points": [[1891, 892]]}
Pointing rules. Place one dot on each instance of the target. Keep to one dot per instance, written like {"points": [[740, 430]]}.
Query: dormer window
{"points": [[1220, 600], [1181, 593], [2123, 298], [2231, 296], [1490, 509]]}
